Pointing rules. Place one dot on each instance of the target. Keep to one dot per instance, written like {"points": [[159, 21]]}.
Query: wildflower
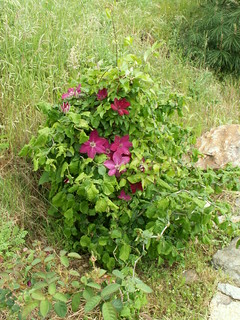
{"points": [[29, 283], [136, 186], [78, 90], [124, 196], [102, 94], [72, 92], [108, 151], [94, 145], [115, 164], [69, 94], [120, 106], [121, 145], [66, 180], [65, 107]]}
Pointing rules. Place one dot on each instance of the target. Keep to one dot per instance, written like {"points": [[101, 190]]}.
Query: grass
{"points": [[44, 45]]}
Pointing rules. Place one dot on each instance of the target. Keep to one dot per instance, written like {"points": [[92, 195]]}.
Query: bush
{"points": [[212, 34], [112, 157]]}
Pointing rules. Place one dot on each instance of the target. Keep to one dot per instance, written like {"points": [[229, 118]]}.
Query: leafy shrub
{"points": [[212, 34], [42, 282], [11, 238], [112, 157]]}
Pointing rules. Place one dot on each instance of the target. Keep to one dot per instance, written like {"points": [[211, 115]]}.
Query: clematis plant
{"points": [[121, 145], [94, 145], [120, 106], [102, 94], [115, 164], [124, 196]]}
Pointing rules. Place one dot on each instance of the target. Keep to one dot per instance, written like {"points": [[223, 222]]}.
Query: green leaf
{"points": [[108, 188], [88, 293], [165, 185], [61, 297], [74, 273], [110, 289], [76, 301], [83, 137], [118, 274], [60, 309], [64, 261], [75, 284], [118, 305], [92, 303], [108, 13], [64, 168], [74, 255], [143, 287], [44, 178], [125, 252], [102, 170], [92, 192], [85, 241], [29, 308], [36, 261], [52, 289], [77, 120], [108, 311], [94, 285], [44, 307], [38, 295], [101, 205]]}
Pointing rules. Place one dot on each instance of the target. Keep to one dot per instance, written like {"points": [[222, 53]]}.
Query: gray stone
{"points": [[229, 260], [223, 307], [229, 290], [190, 276], [219, 147]]}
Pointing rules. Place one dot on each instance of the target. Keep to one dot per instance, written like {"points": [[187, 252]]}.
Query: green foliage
{"points": [[168, 207], [212, 34], [36, 280], [11, 238]]}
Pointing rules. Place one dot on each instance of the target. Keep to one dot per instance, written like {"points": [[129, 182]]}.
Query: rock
{"points": [[223, 307], [219, 146], [190, 276], [229, 260], [229, 290]]}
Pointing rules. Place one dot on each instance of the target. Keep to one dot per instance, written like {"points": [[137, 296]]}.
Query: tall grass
{"points": [[44, 45]]}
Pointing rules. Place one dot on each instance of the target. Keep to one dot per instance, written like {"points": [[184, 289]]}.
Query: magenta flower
{"points": [[69, 94], [115, 164], [94, 145], [65, 107], [121, 145], [124, 196], [66, 180], [78, 90], [120, 106], [136, 186], [72, 92], [102, 94], [29, 283], [108, 151]]}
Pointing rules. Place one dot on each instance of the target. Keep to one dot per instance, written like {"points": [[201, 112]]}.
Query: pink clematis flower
{"points": [[72, 92], [120, 106], [65, 107], [108, 151], [124, 196], [136, 186], [102, 94], [94, 145], [121, 145], [114, 165], [78, 90]]}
